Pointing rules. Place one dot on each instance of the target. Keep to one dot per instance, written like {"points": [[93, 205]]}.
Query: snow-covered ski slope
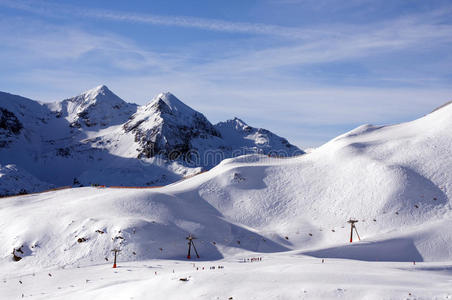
{"points": [[277, 276], [396, 180]]}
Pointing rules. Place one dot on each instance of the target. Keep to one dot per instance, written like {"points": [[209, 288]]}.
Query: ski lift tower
{"points": [[116, 252], [352, 226], [190, 239]]}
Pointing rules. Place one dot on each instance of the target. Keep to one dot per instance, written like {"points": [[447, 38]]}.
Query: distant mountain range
{"points": [[98, 138]]}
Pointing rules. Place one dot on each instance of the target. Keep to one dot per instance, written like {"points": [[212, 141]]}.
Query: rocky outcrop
{"points": [[9, 122]]}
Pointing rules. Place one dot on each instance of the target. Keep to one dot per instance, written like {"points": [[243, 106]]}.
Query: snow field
{"points": [[277, 276]]}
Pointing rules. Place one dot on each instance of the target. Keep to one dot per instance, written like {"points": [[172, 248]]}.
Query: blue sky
{"points": [[307, 70]]}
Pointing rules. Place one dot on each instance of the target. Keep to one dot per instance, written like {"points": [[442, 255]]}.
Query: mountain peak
{"points": [[100, 95], [166, 126], [171, 104], [101, 88], [100, 91], [97, 106], [235, 123]]}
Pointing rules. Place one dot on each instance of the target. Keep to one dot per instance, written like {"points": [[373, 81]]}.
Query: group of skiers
{"points": [[210, 268], [252, 259]]}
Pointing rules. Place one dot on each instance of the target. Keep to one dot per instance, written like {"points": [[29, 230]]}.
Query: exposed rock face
{"points": [[9, 126], [9, 122]]}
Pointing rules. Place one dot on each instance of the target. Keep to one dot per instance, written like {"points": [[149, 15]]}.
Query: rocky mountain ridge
{"points": [[98, 138]]}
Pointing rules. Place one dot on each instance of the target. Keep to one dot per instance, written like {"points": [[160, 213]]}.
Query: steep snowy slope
{"points": [[395, 180], [19, 120], [98, 107], [14, 181], [98, 138], [32, 136]]}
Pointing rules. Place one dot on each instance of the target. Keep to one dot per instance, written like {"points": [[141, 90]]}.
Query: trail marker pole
{"points": [[116, 252], [352, 226], [190, 239]]}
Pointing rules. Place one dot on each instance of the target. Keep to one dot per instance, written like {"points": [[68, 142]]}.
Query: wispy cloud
{"points": [[58, 10], [412, 34], [30, 42], [257, 83], [309, 46]]}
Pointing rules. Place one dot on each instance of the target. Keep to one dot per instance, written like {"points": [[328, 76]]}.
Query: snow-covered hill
{"points": [[98, 138], [395, 180]]}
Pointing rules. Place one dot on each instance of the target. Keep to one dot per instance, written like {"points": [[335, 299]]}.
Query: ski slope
{"points": [[395, 180], [277, 276]]}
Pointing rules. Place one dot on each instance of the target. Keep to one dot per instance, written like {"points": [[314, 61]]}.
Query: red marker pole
{"points": [[352, 226], [351, 234], [114, 262], [189, 248]]}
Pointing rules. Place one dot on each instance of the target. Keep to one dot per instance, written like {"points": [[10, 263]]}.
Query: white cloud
{"points": [[61, 61]]}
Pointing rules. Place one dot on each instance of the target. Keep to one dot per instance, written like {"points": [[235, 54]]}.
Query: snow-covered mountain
{"points": [[168, 127], [98, 138], [98, 107], [395, 180], [236, 131]]}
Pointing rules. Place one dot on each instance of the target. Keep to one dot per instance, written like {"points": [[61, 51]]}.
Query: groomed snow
{"points": [[282, 276]]}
